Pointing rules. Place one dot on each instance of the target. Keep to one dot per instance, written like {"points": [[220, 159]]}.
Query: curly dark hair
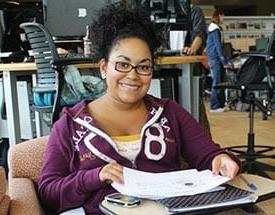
{"points": [[116, 22]]}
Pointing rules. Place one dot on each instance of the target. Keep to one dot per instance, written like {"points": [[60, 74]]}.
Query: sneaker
{"points": [[218, 110]]}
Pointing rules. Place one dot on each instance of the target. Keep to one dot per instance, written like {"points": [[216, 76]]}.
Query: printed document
{"points": [[168, 184]]}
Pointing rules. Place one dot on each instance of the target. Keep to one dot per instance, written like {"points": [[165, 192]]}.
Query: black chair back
{"points": [[48, 92], [44, 53]]}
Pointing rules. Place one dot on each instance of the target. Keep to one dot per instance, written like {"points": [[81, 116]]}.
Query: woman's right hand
{"points": [[112, 172]]}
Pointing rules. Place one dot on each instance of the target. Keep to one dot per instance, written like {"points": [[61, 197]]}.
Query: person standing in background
{"points": [[216, 60], [194, 44], [196, 40]]}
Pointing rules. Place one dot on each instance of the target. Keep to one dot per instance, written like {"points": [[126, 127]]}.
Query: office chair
{"points": [[50, 67], [251, 154], [233, 57]]}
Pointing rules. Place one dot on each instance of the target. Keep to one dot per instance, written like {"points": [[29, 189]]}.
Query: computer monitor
{"points": [[228, 50], [172, 18], [261, 44], [68, 19], [176, 13]]}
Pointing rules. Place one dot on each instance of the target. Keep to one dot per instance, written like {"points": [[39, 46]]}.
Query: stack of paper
{"points": [[168, 184]]}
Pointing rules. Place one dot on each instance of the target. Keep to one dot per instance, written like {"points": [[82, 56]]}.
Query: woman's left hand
{"points": [[224, 165]]}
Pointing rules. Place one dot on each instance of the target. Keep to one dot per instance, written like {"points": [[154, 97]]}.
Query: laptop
{"points": [[230, 196]]}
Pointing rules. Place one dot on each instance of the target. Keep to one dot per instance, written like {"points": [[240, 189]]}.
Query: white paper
{"points": [[77, 211], [169, 184]]}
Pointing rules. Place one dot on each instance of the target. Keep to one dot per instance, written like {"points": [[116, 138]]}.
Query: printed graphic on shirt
{"points": [[94, 150], [86, 156], [81, 132], [155, 135], [153, 111], [155, 139]]}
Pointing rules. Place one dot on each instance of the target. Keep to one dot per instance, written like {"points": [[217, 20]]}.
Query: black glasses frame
{"points": [[132, 67]]}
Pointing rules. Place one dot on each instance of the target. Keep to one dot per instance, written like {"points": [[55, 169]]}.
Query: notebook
{"points": [[227, 197]]}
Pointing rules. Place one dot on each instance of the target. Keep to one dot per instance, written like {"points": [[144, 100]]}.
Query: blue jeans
{"points": [[217, 98]]}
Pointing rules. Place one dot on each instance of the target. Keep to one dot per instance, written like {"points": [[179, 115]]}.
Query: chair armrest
{"points": [[70, 61], [21, 159], [23, 197], [266, 55]]}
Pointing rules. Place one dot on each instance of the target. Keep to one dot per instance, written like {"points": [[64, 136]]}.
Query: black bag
{"points": [[252, 71]]}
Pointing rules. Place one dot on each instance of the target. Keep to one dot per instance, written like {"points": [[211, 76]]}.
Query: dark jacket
{"points": [[198, 27]]}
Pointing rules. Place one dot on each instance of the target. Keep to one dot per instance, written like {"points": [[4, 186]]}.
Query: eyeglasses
{"points": [[140, 69]]}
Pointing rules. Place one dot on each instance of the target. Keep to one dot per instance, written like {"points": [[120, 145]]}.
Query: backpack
{"points": [[77, 87], [252, 71]]}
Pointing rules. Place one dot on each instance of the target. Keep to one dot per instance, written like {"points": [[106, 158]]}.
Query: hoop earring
{"points": [[103, 75]]}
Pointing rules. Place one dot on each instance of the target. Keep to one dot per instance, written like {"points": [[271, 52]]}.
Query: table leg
{"points": [[186, 87], [36, 113], [10, 92]]}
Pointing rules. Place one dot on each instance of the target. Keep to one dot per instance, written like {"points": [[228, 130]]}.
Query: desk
{"points": [[10, 74], [265, 190], [188, 90], [11, 71]]}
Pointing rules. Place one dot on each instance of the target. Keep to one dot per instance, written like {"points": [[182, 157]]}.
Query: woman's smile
{"points": [[129, 86]]}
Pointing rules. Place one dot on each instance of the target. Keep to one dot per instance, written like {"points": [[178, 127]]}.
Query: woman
{"points": [[92, 142], [216, 60]]}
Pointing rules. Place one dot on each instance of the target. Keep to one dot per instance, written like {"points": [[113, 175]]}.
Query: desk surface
{"points": [[160, 61], [17, 67], [180, 59], [265, 190], [20, 67]]}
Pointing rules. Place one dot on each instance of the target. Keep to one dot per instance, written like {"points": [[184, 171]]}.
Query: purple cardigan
{"points": [[76, 154]]}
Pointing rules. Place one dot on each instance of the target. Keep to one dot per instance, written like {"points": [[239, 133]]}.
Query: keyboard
{"points": [[204, 200]]}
